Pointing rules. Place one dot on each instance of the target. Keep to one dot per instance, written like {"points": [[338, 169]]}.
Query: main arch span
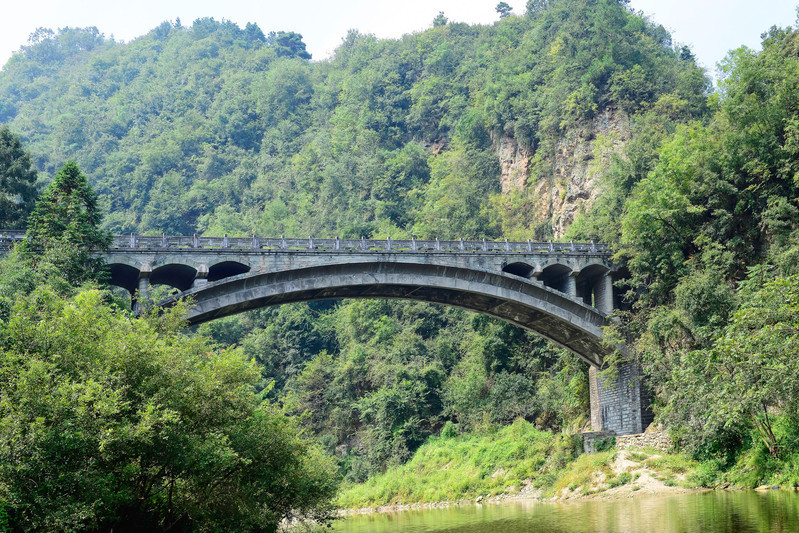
{"points": [[567, 321]]}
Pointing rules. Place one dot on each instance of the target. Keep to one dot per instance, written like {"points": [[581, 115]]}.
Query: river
{"points": [[707, 512]]}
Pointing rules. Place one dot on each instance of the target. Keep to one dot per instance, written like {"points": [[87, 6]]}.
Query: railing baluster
{"points": [[133, 241]]}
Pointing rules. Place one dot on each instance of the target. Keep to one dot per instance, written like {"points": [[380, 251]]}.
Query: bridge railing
{"points": [[9, 237], [363, 244]]}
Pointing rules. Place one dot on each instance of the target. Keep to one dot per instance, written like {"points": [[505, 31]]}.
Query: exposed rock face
{"points": [[514, 161], [571, 187]]}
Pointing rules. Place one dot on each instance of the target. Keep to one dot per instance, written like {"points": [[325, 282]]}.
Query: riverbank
{"points": [[517, 462]]}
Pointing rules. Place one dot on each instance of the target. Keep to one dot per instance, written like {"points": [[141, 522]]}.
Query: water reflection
{"points": [[711, 512]]}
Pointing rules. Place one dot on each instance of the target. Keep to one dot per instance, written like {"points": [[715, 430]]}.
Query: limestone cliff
{"points": [[567, 185]]}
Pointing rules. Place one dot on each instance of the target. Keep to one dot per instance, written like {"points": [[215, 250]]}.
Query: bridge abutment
{"points": [[621, 404]]}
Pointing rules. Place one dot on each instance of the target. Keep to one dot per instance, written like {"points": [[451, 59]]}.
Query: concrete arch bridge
{"points": [[561, 291]]}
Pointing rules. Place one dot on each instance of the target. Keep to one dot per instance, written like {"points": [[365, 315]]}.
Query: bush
{"points": [[110, 422]]}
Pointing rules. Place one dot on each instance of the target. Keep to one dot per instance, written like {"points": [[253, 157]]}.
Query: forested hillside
{"points": [[458, 131], [577, 119], [214, 128]]}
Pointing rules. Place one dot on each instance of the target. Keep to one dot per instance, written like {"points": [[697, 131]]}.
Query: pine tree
{"points": [[64, 228], [17, 181]]}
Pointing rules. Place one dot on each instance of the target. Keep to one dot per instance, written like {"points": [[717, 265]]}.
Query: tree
{"points": [[503, 9], [536, 6], [440, 20], [114, 423], [17, 181], [64, 228], [750, 372], [288, 44]]}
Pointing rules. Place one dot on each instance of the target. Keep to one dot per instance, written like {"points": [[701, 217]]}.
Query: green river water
{"points": [[709, 512]]}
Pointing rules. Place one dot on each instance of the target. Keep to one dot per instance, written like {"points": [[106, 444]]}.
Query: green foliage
{"points": [[286, 44], [485, 463], [701, 209], [751, 365], [110, 422], [503, 9], [64, 228], [374, 379], [17, 181], [214, 128], [217, 129]]}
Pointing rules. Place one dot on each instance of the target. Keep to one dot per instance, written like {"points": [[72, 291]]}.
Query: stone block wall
{"points": [[598, 441], [652, 439], [620, 406]]}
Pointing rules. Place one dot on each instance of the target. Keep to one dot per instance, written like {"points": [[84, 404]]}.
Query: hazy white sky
{"points": [[711, 27]]}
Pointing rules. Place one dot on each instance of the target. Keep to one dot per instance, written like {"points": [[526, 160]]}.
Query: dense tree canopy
{"points": [[113, 423], [213, 128], [217, 129], [708, 221], [17, 181], [64, 228]]}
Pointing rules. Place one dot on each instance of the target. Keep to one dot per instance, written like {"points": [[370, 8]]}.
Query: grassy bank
{"points": [[459, 467], [516, 459], [520, 459]]}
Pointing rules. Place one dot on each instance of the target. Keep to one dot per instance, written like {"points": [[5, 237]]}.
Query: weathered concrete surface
{"points": [[566, 321]]}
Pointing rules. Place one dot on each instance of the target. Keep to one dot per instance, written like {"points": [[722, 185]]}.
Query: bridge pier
{"points": [[620, 405], [143, 289], [571, 283], [201, 277]]}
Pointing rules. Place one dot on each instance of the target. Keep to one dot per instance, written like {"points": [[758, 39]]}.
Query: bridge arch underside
{"points": [[568, 322]]}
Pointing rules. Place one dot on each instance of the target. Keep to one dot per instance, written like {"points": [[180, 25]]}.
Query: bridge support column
{"points": [[571, 283], [143, 291], [620, 405], [201, 278], [603, 293]]}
